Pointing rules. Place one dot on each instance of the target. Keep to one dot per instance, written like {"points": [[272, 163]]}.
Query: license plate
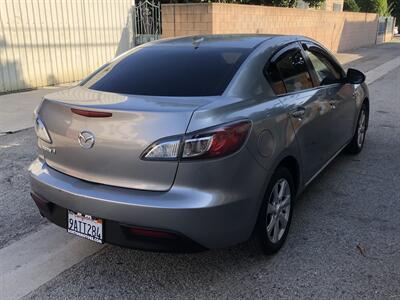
{"points": [[85, 226]]}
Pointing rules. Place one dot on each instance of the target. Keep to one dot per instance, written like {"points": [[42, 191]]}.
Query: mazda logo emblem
{"points": [[86, 139]]}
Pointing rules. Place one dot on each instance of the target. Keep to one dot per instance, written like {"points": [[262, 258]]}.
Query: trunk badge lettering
{"points": [[48, 149], [86, 139]]}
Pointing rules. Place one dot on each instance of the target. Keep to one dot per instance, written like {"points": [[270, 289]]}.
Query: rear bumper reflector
{"points": [[138, 231]]}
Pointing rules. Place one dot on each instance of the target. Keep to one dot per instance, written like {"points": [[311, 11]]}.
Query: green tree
{"points": [[394, 5], [351, 5], [315, 3], [380, 7], [284, 3], [369, 6]]}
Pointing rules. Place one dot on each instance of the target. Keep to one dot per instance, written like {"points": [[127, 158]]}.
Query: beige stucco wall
{"points": [[338, 31]]}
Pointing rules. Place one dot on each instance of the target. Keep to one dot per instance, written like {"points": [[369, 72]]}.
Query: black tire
{"points": [[355, 147], [263, 236]]}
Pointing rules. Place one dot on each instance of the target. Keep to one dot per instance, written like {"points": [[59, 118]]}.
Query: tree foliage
{"points": [[351, 5], [368, 6], [380, 7], [284, 3], [315, 3], [394, 8]]}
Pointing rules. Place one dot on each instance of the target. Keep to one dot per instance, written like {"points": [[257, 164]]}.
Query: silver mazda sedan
{"points": [[197, 142]]}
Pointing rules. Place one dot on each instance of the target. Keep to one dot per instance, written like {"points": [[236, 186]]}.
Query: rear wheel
{"points": [[276, 211], [357, 142]]}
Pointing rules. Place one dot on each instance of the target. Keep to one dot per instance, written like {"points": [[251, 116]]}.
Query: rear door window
{"points": [[275, 79], [288, 73]]}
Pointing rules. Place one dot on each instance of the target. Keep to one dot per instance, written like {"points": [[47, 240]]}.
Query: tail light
{"points": [[211, 143], [41, 130], [90, 113], [217, 142], [167, 150]]}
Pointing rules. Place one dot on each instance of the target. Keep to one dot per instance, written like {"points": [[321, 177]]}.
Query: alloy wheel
{"points": [[278, 211], [362, 125]]}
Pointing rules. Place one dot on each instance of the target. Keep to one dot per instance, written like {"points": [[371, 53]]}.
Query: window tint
{"points": [[170, 71], [275, 79], [326, 72], [289, 73]]}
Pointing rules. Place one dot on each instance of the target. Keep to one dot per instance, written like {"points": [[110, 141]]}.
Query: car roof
{"points": [[249, 41]]}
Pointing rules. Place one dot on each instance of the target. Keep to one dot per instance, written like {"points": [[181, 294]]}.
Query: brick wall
{"points": [[186, 19], [330, 3], [338, 31]]}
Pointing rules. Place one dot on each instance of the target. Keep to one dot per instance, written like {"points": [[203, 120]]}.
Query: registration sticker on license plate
{"points": [[85, 226]]}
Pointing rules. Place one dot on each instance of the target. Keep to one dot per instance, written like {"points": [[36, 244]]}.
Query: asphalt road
{"points": [[344, 240], [18, 217]]}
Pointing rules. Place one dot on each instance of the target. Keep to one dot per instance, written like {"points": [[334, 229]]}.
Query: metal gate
{"points": [[385, 29], [147, 21]]}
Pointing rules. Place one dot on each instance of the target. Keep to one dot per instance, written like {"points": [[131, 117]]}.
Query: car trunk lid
{"points": [[131, 124]]}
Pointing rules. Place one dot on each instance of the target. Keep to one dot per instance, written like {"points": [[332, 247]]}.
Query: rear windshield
{"points": [[170, 71]]}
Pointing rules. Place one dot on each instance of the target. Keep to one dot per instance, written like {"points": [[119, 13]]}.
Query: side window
{"points": [[326, 72], [275, 79], [289, 73]]}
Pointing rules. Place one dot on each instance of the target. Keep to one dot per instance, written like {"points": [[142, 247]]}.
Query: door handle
{"points": [[298, 113], [333, 104]]}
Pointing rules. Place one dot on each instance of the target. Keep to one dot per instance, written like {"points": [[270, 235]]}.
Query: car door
{"points": [[308, 108], [329, 76]]}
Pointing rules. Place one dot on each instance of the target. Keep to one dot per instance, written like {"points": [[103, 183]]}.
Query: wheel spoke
{"points": [[276, 232], [272, 223], [362, 119], [283, 220], [282, 189], [271, 209], [361, 128], [286, 201], [360, 138], [275, 193]]}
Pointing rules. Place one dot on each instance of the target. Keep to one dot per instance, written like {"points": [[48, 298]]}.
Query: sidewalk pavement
{"points": [[16, 111], [368, 58]]}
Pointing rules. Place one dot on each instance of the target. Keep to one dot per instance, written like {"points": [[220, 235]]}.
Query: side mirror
{"points": [[354, 76]]}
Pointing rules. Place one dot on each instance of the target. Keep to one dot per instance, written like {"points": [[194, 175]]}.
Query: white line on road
{"points": [[28, 263], [374, 74]]}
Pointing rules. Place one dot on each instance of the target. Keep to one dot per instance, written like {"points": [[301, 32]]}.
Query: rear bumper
{"points": [[114, 233], [201, 218]]}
